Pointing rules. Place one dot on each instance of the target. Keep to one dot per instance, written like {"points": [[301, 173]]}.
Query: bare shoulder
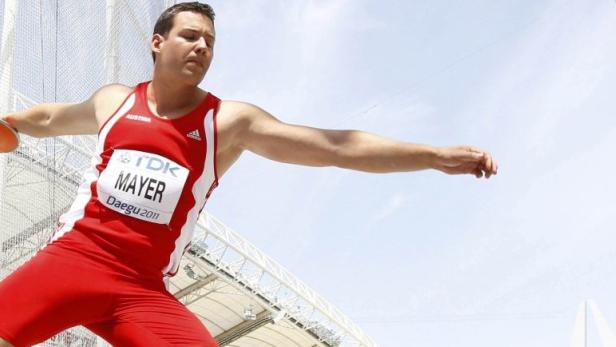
{"points": [[233, 119], [237, 110], [108, 99], [236, 114], [229, 123], [240, 118], [111, 92], [241, 115]]}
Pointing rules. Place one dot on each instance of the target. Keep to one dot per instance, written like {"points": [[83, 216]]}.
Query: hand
{"points": [[458, 160]]}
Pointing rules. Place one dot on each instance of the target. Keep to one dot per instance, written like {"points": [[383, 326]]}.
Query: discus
{"points": [[9, 138]]}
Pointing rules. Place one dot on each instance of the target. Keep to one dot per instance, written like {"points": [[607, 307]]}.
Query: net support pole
{"points": [[112, 66], [7, 59]]}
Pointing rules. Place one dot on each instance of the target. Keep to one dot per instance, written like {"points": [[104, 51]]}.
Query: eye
{"points": [[190, 36]]}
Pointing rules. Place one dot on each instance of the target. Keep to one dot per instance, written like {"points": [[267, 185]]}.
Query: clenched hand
{"points": [[458, 160]]}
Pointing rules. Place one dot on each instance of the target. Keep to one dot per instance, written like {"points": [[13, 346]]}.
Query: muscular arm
{"points": [[84, 118], [261, 133]]}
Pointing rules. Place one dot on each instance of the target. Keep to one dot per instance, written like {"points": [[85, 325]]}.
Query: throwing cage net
{"points": [[59, 51]]}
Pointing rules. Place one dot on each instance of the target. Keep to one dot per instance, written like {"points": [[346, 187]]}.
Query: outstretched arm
{"points": [[57, 119], [261, 133], [47, 120]]}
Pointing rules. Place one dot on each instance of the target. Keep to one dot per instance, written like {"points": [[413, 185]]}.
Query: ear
{"points": [[156, 43]]}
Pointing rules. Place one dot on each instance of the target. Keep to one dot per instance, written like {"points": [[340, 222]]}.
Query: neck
{"points": [[172, 98]]}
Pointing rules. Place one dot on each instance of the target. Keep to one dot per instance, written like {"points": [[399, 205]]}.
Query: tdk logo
{"points": [[155, 164]]}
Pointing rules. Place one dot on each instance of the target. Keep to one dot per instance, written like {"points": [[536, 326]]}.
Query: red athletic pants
{"points": [[51, 293]]}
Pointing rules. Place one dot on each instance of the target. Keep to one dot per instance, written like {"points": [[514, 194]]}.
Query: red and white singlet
{"points": [[150, 178]]}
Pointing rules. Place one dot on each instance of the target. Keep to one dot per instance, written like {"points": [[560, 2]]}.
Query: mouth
{"points": [[195, 62]]}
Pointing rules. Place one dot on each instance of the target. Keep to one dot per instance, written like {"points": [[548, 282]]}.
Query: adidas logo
{"points": [[194, 135]]}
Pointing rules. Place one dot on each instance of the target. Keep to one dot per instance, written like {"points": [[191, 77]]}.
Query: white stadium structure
{"points": [[243, 296]]}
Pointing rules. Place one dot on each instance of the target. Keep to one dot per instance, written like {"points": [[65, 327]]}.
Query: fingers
{"points": [[475, 153], [487, 164], [491, 166], [468, 160]]}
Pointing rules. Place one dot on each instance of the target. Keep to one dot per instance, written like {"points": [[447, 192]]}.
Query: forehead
{"points": [[193, 20]]}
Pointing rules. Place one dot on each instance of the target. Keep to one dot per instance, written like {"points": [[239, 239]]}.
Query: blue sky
{"points": [[423, 258]]}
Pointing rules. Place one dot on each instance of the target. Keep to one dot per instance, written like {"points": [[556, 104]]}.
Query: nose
{"points": [[201, 45]]}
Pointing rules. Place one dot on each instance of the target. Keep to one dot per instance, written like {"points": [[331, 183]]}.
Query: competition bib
{"points": [[141, 185]]}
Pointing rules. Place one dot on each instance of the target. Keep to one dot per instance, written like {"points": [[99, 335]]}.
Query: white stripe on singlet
{"points": [[199, 190], [84, 193]]}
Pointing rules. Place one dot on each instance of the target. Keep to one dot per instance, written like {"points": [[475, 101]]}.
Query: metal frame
{"points": [[218, 248]]}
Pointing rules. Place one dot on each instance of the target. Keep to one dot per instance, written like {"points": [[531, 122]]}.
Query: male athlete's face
{"points": [[188, 48]]}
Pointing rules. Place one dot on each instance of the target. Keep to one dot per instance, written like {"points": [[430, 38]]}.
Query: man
{"points": [[162, 147]]}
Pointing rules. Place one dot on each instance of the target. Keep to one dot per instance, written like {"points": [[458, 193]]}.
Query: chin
{"points": [[192, 78]]}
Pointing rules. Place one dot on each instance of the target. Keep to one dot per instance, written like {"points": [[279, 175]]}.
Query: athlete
{"points": [[162, 147]]}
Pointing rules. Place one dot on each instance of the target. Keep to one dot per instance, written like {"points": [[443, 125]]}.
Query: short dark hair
{"points": [[164, 23]]}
